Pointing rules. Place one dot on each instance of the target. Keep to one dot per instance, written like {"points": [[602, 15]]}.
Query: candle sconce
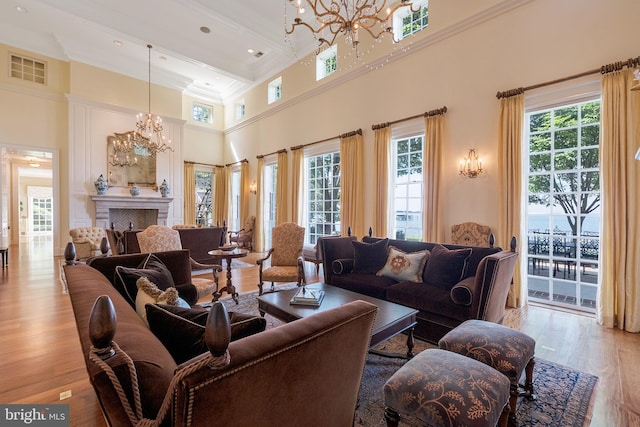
{"points": [[471, 166]]}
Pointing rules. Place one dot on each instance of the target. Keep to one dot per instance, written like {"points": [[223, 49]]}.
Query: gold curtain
{"points": [[282, 177], [220, 205], [619, 297], [244, 193], [189, 193], [258, 236], [351, 184], [509, 178], [296, 186], [382, 147], [433, 221]]}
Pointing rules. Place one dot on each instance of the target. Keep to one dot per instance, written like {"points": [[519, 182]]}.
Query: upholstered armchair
{"points": [[87, 241], [160, 238], [244, 237], [472, 234], [287, 263]]}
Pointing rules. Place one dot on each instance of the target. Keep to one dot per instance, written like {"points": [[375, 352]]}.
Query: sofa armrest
{"points": [[463, 291], [342, 266], [332, 249]]}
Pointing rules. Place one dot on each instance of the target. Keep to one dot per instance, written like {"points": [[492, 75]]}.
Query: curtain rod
{"points": [[203, 164], [344, 135], [235, 163], [262, 156], [436, 112], [616, 66]]}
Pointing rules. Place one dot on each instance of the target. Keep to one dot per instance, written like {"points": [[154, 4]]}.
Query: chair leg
{"points": [[392, 417], [260, 288]]}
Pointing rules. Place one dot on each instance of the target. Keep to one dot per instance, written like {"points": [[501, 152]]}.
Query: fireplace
{"points": [[141, 212]]}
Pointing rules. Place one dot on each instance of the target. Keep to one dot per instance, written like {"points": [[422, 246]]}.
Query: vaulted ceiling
{"points": [[113, 35]]}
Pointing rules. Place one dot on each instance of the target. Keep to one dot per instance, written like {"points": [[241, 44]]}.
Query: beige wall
{"points": [[461, 66]]}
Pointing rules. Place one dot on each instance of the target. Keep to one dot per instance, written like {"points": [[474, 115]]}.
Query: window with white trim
{"points": [[204, 177], [274, 90], [327, 62], [202, 113], [270, 180], [322, 201], [28, 69], [406, 22], [239, 110], [234, 220], [407, 187]]}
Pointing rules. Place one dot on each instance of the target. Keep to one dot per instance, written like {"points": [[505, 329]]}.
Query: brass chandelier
{"points": [[345, 17], [146, 140]]}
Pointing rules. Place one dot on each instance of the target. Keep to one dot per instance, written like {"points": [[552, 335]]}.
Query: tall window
{"points": [[234, 220], [269, 206], [407, 191], [204, 197], [40, 209], [323, 195], [327, 62], [406, 22], [563, 209]]}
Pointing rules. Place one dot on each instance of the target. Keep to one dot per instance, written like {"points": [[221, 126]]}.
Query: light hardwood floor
{"points": [[40, 353]]}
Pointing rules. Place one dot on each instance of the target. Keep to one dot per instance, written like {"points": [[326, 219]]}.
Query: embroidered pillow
{"points": [[446, 267], [403, 266], [369, 257], [148, 293]]}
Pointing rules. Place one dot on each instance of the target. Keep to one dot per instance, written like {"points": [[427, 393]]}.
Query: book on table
{"points": [[307, 297]]}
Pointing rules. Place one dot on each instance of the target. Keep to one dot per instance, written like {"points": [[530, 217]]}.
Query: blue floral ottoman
{"points": [[444, 389], [504, 349]]}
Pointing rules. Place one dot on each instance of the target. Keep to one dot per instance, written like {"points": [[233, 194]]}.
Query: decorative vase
{"points": [[164, 188], [134, 190], [101, 185]]}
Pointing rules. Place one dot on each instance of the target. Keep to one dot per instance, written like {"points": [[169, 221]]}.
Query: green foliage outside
{"points": [[567, 139], [414, 22], [204, 198]]}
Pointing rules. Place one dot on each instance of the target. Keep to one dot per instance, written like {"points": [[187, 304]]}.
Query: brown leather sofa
{"points": [[285, 376], [481, 292]]}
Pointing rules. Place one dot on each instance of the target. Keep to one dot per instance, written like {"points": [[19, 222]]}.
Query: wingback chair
{"points": [[87, 241], [472, 234], [287, 263], [244, 237], [160, 238]]}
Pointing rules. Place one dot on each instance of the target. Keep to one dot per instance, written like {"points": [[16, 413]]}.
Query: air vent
{"points": [[258, 54], [28, 69]]}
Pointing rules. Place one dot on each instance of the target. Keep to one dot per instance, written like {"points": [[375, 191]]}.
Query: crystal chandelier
{"points": [[147, 140], [347, 17]]}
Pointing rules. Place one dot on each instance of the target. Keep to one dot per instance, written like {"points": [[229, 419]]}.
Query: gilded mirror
{"points": [[128, 163]]}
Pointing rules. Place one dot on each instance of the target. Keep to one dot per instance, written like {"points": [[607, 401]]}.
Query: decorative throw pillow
{"points": [[369, 257], [148, 293], [403, 266], [446, 267], [151, 267], [181, 330]]}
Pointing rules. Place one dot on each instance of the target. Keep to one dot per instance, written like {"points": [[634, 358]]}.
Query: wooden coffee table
{"points": [[391, 318]]}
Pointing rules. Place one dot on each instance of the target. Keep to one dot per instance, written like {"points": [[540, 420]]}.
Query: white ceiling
{"points": [[213, 66]]}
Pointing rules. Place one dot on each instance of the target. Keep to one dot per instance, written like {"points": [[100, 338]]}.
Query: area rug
{"points": [[565, 395]]}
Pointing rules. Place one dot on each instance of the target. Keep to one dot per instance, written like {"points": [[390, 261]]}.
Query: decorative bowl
{"points": [[227, 248]]}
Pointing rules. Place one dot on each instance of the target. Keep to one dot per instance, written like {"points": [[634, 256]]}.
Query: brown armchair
{"points": [[472, 234], [287, 262], [160, 238], [244, 237]]}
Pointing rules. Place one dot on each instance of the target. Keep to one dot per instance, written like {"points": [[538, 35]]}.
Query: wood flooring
{"points": [[41, 360]]}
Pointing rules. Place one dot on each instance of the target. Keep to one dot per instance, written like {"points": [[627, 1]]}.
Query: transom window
{"points": [[406, 22], [327, 62], [275, 90], [28, 69], [202, 113], [563, 209], [240, 110], [323, 195], [407, 191]]}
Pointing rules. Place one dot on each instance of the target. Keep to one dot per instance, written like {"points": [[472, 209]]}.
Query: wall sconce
{"points": [[253, 187], [471, 166]]}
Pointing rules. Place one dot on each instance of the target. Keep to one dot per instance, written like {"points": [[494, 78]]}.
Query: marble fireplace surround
{"points": [[140, 211]]}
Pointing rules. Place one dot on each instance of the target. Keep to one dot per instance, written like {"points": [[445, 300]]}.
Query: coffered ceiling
{"points": [[113, 34]]}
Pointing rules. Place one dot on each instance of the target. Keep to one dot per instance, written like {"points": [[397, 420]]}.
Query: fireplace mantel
{"points": [[105, 203]]}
